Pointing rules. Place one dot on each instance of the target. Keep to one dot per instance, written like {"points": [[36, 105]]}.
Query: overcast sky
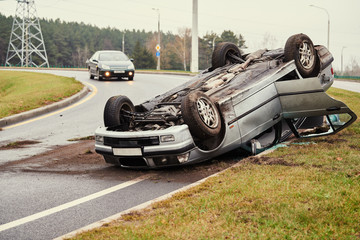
{"points": [[255, 19]]}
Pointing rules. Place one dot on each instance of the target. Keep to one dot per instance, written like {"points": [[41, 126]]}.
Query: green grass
{"points": [[304, 191], [23, 91]]}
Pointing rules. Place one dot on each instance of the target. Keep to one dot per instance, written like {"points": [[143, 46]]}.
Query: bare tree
{"points": [[269, 41], [181, 46], [353, 69]]}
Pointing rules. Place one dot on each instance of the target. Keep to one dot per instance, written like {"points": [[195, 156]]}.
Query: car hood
{"points": [[116, 63]]}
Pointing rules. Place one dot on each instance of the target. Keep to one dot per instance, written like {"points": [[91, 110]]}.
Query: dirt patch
{"points": [[82, 138], [19, 144], [263, 160], [355, 147], [81, 159], [331, 140]]}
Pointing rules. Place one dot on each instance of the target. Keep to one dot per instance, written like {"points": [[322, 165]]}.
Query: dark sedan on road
{"points": [[110, 65], [251, 101]]}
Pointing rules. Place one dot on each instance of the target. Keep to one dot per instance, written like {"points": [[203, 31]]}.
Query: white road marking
{"points": [[139, 207], [71, 204]]}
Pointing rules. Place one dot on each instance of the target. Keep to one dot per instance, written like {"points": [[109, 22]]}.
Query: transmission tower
{"points": [[26, 46]]}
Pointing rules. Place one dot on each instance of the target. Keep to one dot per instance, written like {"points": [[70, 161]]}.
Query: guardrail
{"points": [[348, 77]]}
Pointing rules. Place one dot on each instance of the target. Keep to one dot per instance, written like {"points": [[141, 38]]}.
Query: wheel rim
{"points": [[127, 108], [228, 58], [207, 113], [306, 55]]}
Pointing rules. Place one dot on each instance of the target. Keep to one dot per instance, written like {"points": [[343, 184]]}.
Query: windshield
{"points": [[113, 56]]}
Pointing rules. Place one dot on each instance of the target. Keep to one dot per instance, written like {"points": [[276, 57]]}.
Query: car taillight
{"points": [[332, 71]]}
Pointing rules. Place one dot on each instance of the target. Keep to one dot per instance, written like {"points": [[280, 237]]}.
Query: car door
{"points": [[93, 61], [256, 111], [301, 98]]}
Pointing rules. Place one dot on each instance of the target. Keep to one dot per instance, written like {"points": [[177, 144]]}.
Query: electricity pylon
{"points": [[26, 46]]}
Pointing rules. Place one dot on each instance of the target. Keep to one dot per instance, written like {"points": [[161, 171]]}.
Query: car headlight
{"points": [[99, 139], [167, 138], [105, 67]]}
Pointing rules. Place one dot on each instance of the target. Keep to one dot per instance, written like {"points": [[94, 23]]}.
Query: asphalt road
{"points": [[47, 204], [347, 85], [43, 197]]}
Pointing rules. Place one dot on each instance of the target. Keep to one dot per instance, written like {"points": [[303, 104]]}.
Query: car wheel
{"points": [[91, 76], [201, 115], [98, 75], [222, 54], [115, 112], [300, 48], [131, 78]]}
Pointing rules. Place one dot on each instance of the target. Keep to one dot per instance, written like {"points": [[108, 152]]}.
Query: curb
{"points": [[4, 122]]}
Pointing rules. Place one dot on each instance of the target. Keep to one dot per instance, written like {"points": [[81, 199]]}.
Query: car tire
{"points": [[98, 75], [300, 48], [201, 115], [114, 112], [220, 56], [91, 76], [131, 78]]}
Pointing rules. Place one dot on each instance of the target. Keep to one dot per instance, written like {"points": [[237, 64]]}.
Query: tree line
{"points": [[70, 44]]}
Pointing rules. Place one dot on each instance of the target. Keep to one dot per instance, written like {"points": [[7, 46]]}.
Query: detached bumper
{"points": [[147, 149]]}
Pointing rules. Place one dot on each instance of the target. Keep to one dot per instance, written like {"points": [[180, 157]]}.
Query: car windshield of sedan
{"points": [[113, 56]]}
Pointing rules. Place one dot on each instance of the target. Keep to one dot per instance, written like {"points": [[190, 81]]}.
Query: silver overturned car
{"points": [[252, 102]]}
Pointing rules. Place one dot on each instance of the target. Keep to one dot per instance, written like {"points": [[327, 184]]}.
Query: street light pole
{"points": [[194, 39], [158, 61], [328, 35], [342, 59], [123, 42]]}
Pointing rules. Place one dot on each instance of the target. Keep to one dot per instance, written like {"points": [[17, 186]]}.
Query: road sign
{"points": [[157, 47], [158, 54]]}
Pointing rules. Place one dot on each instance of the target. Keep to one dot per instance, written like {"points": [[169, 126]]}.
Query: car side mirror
{"points": [[322, 125], [94, 60], [131, 59]]}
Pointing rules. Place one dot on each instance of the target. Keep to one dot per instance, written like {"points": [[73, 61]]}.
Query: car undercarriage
{"points": [[251, 101]]}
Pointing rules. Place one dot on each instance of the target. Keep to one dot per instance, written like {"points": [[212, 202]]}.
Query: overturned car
{"points": [[252, 101]]}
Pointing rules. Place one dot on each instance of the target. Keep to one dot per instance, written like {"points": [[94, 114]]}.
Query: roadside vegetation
{"points": [[23, 91], [308, 190]]}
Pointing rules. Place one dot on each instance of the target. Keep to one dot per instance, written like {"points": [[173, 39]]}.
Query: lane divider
{"points": [[93, 93], [72, 203]]}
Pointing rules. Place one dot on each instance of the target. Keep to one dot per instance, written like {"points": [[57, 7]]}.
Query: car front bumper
{"points": [[116, 73], [147, 149]]}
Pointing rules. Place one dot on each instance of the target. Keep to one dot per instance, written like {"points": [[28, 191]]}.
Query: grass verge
{"points": [[304, 191], [23, 91]]}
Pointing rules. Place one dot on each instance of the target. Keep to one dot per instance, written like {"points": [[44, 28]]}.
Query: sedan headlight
{"points": [[99, 139], [167, 138], [105, 67]]}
